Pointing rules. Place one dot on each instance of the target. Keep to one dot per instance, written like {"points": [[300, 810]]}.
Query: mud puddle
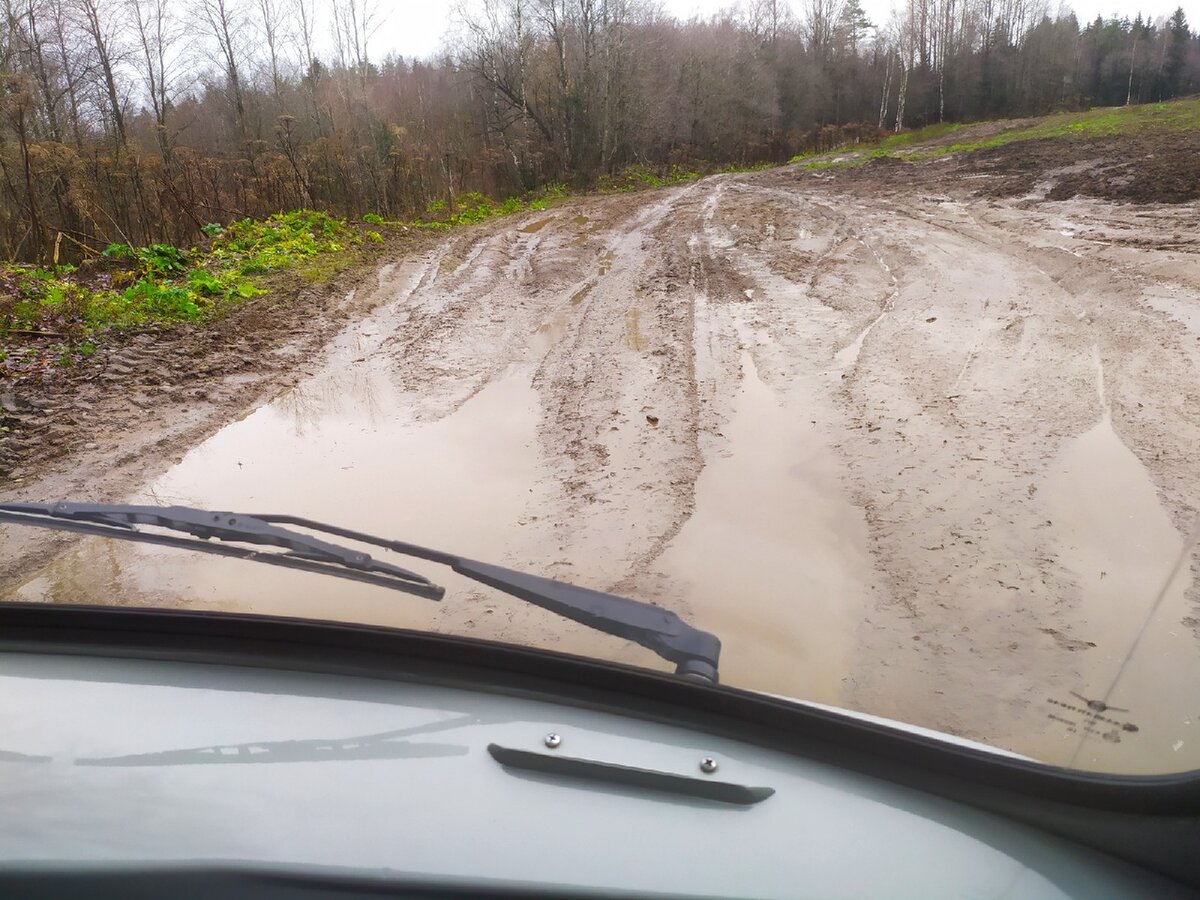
{"points": [[342, 448], [1134, 654], [1177, 304], [774, 558], [535, 227]]}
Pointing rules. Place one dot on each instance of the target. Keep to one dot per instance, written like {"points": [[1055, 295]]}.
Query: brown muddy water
{"points": [[774, 558], [341, 447], [929, 459], [1113, 533]]}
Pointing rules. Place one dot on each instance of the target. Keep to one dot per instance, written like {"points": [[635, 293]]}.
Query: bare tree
{"points": [[904, 34], [885, 94], [22, 18], [497, 47], [943, 43], [304, 15], [17, 106], [68, 60], [536, 91], [157, 35], [101, 21], [222, 20], [766, 19], [272, 21], [354, 24], [820, 21]]}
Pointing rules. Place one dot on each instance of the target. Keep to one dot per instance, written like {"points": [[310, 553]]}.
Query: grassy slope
{"points": [[944, 138]]}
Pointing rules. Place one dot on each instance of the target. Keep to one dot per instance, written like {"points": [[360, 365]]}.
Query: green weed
{"points": [[848, 160], [473, 207], [639, 177], [161, 283]]}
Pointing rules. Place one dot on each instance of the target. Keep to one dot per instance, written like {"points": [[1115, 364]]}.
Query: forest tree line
{"points": [[139, 121]]}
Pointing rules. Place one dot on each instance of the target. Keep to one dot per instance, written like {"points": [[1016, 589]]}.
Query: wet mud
{"points": [[916, 452]]}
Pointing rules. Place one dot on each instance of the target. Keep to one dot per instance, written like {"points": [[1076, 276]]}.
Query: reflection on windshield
{"points": [[381, 745]]}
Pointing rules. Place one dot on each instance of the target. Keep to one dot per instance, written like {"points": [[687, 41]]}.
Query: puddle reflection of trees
{"points": [[93, 572], [351, 392]]}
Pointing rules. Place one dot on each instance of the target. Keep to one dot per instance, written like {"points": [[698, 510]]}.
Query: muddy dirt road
{"points": [[905, 450]]}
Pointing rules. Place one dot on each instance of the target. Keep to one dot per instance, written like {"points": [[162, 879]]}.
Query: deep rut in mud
{"points": [[922, 455]]}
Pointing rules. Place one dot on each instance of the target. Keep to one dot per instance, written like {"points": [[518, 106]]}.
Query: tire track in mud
{"points": [[978, 409], [1153, 411], [959, 540], [620, 393], [1108, 298], [1043, 415], [1140, 391], [616, 485], [985, 541]]}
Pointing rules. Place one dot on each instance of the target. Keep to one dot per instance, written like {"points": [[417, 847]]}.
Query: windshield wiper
{"points": [[694, 652]]}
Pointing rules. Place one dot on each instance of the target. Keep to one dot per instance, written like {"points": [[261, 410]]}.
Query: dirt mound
{"points": [[1137, 168], [1155, 169], [1146, 167], [886, 162]]}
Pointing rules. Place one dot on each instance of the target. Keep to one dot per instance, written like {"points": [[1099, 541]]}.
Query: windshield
{"points": [[891, 385]]}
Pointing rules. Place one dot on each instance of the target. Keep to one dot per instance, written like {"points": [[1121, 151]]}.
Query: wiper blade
{"points": [[305, 552], [694, 652]]}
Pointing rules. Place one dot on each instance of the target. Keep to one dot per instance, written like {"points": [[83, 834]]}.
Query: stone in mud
{"points": [[9, 402]]}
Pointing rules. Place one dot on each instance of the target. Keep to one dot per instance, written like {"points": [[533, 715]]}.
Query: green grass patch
{"points": [[472, 207], [845, 154], [160, 284], [640, 177], [130, 287], [324, 268], [920, 135], [1175, 115], [850, 155], [838, 162]]}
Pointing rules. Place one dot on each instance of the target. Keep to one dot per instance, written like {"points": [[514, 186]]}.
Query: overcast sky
{"points": [[416, 27]]}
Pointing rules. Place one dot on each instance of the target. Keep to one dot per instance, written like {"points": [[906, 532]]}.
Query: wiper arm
{"points": [[694, 652]]}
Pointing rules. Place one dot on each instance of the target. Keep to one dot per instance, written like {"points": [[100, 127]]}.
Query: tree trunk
{"points": [[884, 95], [35, 219], [96, 33], [1132, 58]]}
